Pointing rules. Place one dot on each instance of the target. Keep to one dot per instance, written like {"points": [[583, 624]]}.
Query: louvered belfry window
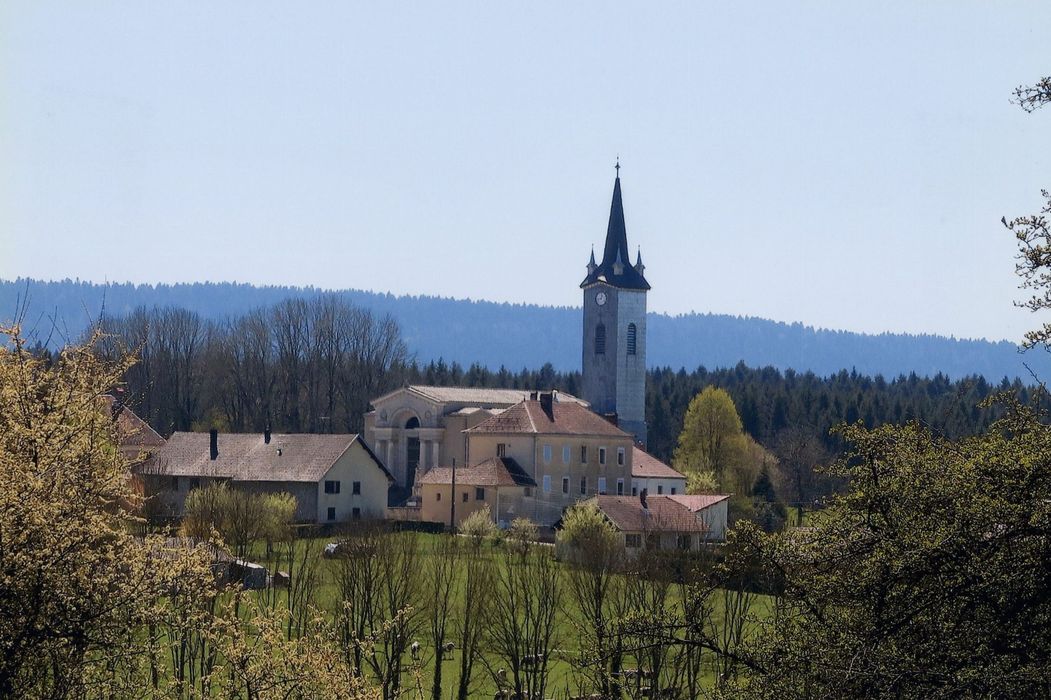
{"points": [[600, 340], [631, 338]]}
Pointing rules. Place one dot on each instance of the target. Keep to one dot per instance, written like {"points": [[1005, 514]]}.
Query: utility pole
{"points": [[452, 500]]}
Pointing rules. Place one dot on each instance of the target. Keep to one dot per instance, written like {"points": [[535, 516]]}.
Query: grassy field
{"points": [[562, 678]]}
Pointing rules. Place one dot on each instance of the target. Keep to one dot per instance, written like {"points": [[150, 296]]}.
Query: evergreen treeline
{"points": [[521, 335]]}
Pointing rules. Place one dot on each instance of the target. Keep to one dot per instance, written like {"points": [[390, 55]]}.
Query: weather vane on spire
{"points": [[617, 166]]}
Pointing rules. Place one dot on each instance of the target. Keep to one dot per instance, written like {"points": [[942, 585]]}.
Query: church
{"points": [[536, 453]]}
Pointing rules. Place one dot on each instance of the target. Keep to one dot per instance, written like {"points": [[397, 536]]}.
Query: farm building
{"points": [[333, 477]]}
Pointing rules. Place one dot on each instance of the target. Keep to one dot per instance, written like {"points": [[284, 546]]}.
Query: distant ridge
{"points": [[525, 335]]}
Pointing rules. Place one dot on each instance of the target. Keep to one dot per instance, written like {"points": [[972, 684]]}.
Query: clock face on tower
{"points": [[600, 298]]}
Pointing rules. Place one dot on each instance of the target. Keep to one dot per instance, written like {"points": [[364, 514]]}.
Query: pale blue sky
{"points": [[836, 163]]}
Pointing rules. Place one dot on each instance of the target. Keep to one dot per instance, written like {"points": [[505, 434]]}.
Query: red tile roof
{"points": [[136, 436], [495, 471], [565, 419], [646, 466], [700, 501], [661, 514], [247, 456]]}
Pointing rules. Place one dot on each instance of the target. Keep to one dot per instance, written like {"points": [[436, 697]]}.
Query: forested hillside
{"points": [[520, 335]]}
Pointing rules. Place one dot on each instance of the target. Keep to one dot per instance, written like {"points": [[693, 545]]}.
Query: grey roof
{"points": [[616, 252], [247, 456], [473, 396]]}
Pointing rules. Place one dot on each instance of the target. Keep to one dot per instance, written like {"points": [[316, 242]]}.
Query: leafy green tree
{"points": [[712, 439], [926, 579]]}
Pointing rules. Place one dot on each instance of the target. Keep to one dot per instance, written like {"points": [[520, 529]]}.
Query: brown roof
{"points": [[646, 466], [495, 471], [565, 419], [699, 501], [661, 514], [247, 456], [136, 436]]}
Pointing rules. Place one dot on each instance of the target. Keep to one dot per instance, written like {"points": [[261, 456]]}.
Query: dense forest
{"points": [[521, 335]]}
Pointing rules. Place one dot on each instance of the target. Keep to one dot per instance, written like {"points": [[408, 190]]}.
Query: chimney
{"points": [[266, 434], [213, 450], [547, 399], [642, 499]]}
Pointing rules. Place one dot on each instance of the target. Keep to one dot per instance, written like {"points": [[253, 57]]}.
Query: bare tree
{"points": [[527, 597], [440, 576], [472, 615]]}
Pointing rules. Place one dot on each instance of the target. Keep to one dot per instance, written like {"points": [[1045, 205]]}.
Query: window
{"points": [[195, 484], [631, 338], [438, 496], [602, 456], [583, 485], [528, 491], [565, 454], [634, 490], [620, 487], [633, 541], [355, 513], [565, 484], [547, 454], [331, 487], [683, 542], [501, 449], [653, 541], [583, 454], [465, 497], [175, 483], [547, 483], [479, 493], [620, 456], [660, 489], [673, 490], [331, 513], [602, 485], [600, 339], [356, 488]]}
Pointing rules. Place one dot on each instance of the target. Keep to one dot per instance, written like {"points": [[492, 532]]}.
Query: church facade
{"points": [[614, 348]]}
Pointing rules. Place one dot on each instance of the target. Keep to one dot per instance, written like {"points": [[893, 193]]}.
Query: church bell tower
{"points": [[614, 358]]}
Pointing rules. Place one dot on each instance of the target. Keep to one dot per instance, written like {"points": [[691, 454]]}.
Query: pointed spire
{"points": [[592, 265], [616, 268], [616, 231], [638, 262]]}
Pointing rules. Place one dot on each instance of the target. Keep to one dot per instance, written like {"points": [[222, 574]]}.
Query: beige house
{"points": [[448, 496], [333, 477], [567, 450], [653, 475], [654, 523], [417, 428]]}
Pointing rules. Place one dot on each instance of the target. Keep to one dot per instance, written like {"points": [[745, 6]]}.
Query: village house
{"points": [[417, 427], [334, 478], [448, 494], [657, 523], [653, 475], [710, 509]]}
